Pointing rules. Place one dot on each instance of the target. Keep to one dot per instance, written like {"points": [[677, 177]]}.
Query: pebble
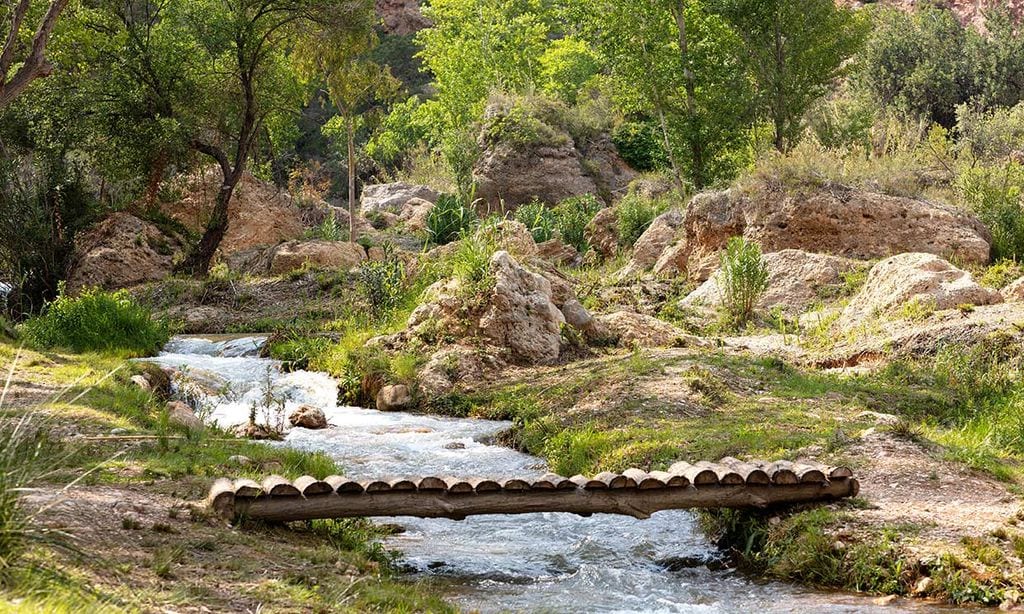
{"points": [[923, 586], [238, 459], [455, 445], [887, 600], [118, 431]]}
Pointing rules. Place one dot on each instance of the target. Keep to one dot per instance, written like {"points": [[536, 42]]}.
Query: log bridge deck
{"points": [[730, 483]]}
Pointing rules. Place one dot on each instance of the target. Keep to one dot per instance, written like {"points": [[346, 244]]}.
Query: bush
{"points": [[742, 280], [641, 145], [449, 219], [571, 218], [538, 219], [382, 282], [635, 215], [996, 195], [328, 230], [96, 320], [471, 262]]}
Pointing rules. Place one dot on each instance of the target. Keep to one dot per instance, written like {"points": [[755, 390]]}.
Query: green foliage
{"points": [[1001, 274], [96, 320], [470, 263], [566, 66], [450, 217], [572, 216], [635, 215], [742, 280], [641, 145], [519, 126], [327, 230], [538, 219], [398, 133], [382, 282], [996, 195], [992, 135]]}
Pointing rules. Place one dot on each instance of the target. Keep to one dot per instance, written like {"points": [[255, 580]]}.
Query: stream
{"points": [[524, 563]]}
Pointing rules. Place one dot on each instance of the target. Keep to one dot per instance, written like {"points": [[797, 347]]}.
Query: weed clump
{"points": [[743, 279], [449, 219]]}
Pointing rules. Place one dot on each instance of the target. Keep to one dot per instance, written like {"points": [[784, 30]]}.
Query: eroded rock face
{"points": [[602, 232], [796, 280], [1014, 293], [521, 316], [559, 253], [325, 254], [451, 366], [392, 197], [121, 251], [924, 278], [401, 17], [508, 176], [394, 398], [636, 329], [414, 214], [259, 215], [308, 417], [845, 222], [181, 414], [658, 237]]}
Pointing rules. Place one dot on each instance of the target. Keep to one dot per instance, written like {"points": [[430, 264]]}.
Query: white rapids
{"points": [[524, 563]]}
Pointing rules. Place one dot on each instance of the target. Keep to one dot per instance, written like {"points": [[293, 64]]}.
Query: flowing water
{"points": [[528, 563]]}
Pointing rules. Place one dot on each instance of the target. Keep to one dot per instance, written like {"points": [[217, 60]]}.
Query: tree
{"points": [[341, 62], [31, 58], [796, 49]]}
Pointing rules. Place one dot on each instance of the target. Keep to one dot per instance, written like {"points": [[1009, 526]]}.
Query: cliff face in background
{"points": [[967, 11], [401, 17]]}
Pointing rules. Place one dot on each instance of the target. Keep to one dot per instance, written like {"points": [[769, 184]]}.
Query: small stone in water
{"points": [[454, 445]]}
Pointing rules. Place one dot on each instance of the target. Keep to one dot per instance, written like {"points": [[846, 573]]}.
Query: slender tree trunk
{"points": [[351, 178], [34, 66], [676, 173], [690, 85]]}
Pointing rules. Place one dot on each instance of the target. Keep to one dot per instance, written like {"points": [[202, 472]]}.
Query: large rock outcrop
{"points": [[121, 251], [840, 221], [796, 280], [511, 175], [915, 277], [259, 215], [658, 237], [401, 17], [392, 197], [631, 329], [322, 254]]}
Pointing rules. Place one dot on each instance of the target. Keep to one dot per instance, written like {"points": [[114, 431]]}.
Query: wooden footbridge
{"points": [[730, 483]]}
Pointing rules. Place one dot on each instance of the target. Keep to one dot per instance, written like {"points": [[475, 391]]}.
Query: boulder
{"points": [[635, 329], [394, 398], [259, 214], [119, 252], [452, 366], [324, 254], [520, 315], [1014, 293], [836, 220], [414, 214], [672, 261], [924, 278], [308, 417], [141, 383], [557, 252], [602, 232], [509, 175], [796, 280], [658, 237], [606, 166], [181, 414], [392, 197]]}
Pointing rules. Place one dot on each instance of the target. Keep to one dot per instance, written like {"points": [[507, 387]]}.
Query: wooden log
{"points": [[560, 482], [402, 484], [277, 486], [247, 488], [377, 486], [222, 498], [457, 486], [432, 483], [483, 485], [726, 476], [751, 473], [542, 484], [630, 502], [343, 484], [311, 487], [643, 480], [698, 476], [670, 480], [809, 473], [613, 480], [515, 484], [840, 472], [781, 472], [587, 483]]}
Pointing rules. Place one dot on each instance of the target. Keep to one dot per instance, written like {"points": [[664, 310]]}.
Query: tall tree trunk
{"points": [[351, 178], [690, 85], [677, 175]]}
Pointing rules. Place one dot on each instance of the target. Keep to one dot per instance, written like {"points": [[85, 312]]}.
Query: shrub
{"points": [[538, 219], [635, 215], [742, 280], [327, 230], [996, 195], [96, 320], [448, 219], [571, 218], [471, 262], [1001, 274], [382, 282], [640, 145]]}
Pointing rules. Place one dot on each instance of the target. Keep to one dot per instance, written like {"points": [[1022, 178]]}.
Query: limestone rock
{"points": [[925, 278], [841, 221], [602, 232], [394, 398], [119, 252], [414, 213], [515, 238], [455, 365], [401, 17], [658, 237], [520, 314], [1014, 293], [557, 252], [672, 261], [511, 175], [182, 415], [308, 417], [391, 197], [795, 280], [610, 172], [326, 254], [636, 329], [141, 383]]}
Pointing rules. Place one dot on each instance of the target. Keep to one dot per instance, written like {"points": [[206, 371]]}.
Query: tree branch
{"points": [[35, 65]]}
